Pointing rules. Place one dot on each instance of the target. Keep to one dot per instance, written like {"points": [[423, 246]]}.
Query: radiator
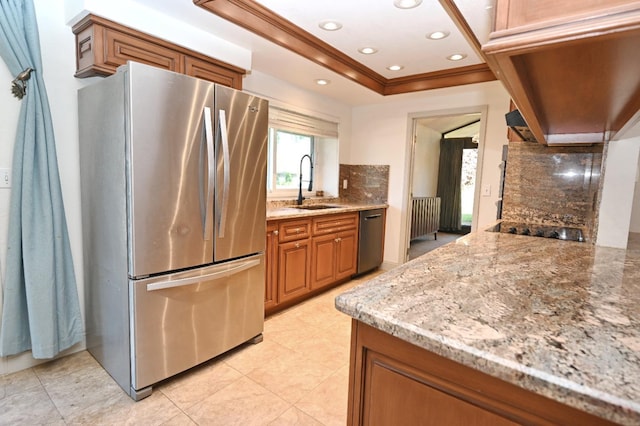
{"points": [[425, 216]]}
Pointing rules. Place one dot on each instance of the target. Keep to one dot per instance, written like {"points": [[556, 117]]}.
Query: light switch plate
{"points": [[5, 178], [486, 190]]}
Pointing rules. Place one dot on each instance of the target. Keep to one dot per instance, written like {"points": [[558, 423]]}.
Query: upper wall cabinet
{"points": [[572, 67], [103, 45]]}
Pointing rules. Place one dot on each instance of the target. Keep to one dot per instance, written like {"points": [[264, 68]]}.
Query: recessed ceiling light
{"points": [[406, 4], [395, 67], [438, 35], [368, 50], [456, 56], [330, 25], [322, 81]]}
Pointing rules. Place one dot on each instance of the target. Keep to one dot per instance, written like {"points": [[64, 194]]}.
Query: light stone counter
{"points": [[291, 212], [559, 318]]}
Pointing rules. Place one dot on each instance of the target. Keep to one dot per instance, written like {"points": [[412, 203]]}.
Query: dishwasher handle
{"points": [[373, 216]]}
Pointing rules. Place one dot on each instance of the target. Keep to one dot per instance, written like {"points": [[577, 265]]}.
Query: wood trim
{"points": [[265, 23], [93, 56], [439, 79], [456, 16]]}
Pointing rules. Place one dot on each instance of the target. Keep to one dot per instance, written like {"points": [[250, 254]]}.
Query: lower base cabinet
{"points": [[293, 270], [271, 255], [307, 255], [334, 257], [392, 382]]}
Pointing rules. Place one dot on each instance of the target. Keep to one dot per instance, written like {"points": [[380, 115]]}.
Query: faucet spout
{"points": [[300, 197]]}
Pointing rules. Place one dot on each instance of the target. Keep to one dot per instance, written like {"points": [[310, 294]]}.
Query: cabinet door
{"points": [[323, 261], [207, 71], [120, 48], [293, 269], [271, 269], [346, 254]]}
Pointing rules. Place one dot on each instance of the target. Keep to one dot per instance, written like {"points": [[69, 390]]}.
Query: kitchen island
{"points": [[499, 328]]}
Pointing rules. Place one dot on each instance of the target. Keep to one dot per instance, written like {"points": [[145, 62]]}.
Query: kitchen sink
{"points": [[316, 207]]}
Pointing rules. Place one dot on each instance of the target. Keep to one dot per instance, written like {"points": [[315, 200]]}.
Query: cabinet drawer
{"points": [[294, 230], [334, 223]]}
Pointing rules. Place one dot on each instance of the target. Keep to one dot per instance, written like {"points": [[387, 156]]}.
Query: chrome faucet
{"points": [[300, 197]]}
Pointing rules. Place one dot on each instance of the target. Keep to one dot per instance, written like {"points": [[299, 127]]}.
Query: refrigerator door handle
{"points": [[224, 271], [226, 182], [208, 134]]}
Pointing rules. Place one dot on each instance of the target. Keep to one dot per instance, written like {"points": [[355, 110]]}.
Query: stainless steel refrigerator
{"points": [[173, 188]]}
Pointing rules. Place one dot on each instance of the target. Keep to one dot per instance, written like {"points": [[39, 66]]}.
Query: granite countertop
{"points": [[289, 211], [559, 318]]}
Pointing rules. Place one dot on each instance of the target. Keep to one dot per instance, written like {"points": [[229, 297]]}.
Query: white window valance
{"points": [[300, 123]]}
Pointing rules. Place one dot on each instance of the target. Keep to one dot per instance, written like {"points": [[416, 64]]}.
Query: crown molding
{"points": [[265, 23]]}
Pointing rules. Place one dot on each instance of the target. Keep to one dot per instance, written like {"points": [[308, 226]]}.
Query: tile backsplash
{"points": [[365, 183], [553, 185]]}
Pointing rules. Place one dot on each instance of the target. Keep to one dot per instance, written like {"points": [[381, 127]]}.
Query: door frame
{"points": [[412, 119]]}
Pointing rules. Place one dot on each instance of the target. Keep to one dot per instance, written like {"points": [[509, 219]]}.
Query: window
{"points": [[289, 150], [291, 137]]}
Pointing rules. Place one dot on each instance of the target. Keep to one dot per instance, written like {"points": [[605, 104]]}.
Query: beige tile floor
{"points": [[297, 376]]}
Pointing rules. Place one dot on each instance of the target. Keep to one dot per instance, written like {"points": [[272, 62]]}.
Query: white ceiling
{"points": [[398, 34], [468, 125]]}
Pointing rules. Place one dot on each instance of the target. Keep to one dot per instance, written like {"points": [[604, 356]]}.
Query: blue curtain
{"points": [[40, 309]]}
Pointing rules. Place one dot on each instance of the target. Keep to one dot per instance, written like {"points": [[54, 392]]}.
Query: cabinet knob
{"points": [[275, 232], [297, 245], [297, 230]]}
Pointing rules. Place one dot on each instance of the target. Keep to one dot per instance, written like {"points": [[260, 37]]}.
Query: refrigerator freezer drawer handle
{"points": [[208, 134], [226, 172], [225, 272]]}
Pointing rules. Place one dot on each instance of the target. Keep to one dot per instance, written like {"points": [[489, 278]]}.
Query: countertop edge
{"points": [[539, 382], [292, 212]]}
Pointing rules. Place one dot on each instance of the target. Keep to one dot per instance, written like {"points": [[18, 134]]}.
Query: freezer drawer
{"points": [[182, 320]]}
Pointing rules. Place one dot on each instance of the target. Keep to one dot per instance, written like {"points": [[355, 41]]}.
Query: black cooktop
{"points": [[540, 230]]}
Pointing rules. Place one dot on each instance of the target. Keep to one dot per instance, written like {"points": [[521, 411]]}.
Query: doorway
{"points": [[444, 166]]}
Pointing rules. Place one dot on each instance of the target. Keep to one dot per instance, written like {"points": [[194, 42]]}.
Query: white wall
{"points": [[381, 135], [620, 172], [426, 162], [635, 212]]}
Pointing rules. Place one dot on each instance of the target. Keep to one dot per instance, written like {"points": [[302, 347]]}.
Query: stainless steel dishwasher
{"points": [[370, 241]]}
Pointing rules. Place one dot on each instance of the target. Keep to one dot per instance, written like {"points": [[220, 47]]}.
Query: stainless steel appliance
{"points": [[370, 240], [173, 175]]}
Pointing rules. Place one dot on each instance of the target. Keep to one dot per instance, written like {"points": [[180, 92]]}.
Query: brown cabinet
{"points": [[307, 255], [392, 382], [271, 256], [293, 269], [346, 254], [294, 257], [571, 66], [335, 249], [103, 45]]}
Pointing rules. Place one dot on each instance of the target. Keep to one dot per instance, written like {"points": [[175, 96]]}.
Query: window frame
{"points": [[272, 165]]}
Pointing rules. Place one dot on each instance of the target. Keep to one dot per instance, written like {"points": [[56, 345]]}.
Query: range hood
{"points": [[516, 122]]}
